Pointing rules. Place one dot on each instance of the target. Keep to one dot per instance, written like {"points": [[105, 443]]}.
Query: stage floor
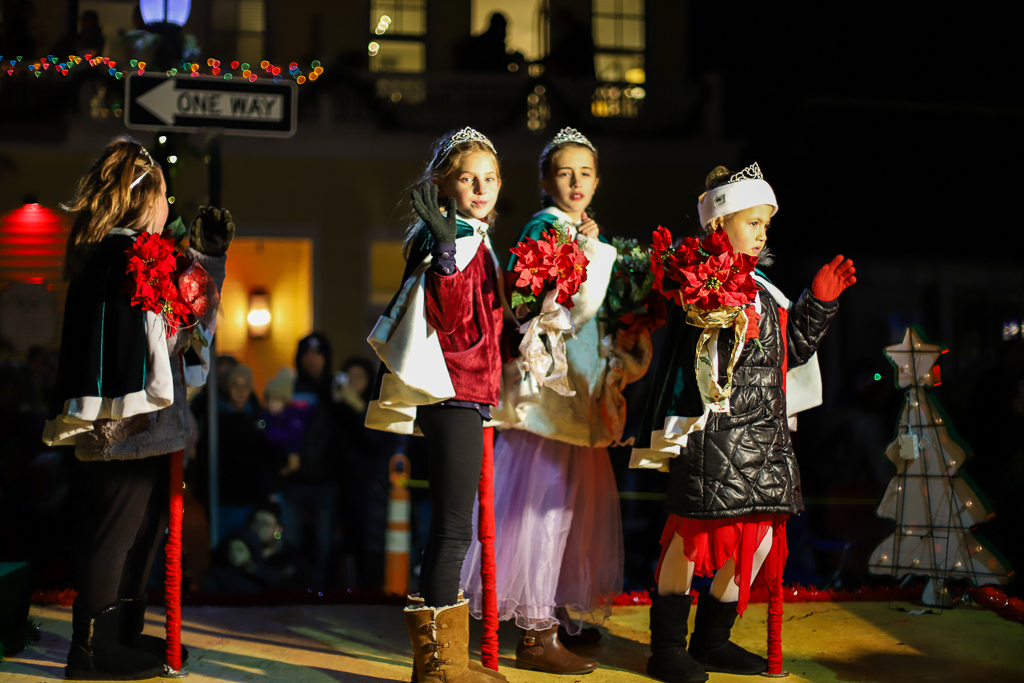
{"points": [[859, 641]]}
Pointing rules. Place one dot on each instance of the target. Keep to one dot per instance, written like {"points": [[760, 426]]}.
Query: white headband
{"points": [[744, 190]]}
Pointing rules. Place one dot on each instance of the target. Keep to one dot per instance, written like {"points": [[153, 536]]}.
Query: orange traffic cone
{"points": [[396, 544]]}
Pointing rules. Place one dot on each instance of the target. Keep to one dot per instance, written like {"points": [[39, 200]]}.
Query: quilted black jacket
{"points": [[742, 462]]}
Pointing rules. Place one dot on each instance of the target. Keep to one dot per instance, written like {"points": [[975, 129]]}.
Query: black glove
{"points": [[424, 201], [212, 231]]}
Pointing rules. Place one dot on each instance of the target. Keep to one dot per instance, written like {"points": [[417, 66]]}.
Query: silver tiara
{"points": [[570, 135], [752, 172], [467, 134], [146, 172]]}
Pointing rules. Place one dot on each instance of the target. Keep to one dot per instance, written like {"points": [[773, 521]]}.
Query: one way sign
{"points": [[193, 104]]}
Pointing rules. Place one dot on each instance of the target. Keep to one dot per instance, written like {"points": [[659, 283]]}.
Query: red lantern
{"points": [[32, 242]]}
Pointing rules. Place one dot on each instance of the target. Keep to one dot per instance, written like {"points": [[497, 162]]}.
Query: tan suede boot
{"points": [[541, 651], [440, 645]]}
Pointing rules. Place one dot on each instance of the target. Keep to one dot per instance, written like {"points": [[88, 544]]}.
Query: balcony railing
{"points": [[429, 101]]}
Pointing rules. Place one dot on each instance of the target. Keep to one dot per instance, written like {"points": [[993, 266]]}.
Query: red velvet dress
{"points": [[465, 309]]}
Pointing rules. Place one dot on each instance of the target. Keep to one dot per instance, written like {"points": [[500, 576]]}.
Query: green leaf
{"points": [[177, 229], [518, 299]]}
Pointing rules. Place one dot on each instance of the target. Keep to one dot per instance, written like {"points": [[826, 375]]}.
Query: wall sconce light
{"points": [[259, 314]]}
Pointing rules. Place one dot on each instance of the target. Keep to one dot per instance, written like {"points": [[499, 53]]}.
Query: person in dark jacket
{"points": [[257, 557], [120, 394], [310, 482], [733, 476]]}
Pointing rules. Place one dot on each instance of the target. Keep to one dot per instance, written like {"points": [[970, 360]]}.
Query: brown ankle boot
{"points": [[440, 645], [541, 651], [416, 600]]}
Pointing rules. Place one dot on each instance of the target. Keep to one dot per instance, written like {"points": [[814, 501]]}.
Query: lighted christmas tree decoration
{"points": [[934, 505]]}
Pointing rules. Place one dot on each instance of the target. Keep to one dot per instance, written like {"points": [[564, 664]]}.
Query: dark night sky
{"points": [[896, 116]]}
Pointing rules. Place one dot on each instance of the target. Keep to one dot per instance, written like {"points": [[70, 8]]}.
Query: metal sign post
{"points": [[214, 106]]}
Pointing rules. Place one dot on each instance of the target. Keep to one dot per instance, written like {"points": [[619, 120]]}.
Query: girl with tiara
{"points": [[438, 342], [120, 400], [559, 551], [733, 477]]}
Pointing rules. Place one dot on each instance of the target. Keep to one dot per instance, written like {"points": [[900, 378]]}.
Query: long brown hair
{"points": [[106, 198], [441, 165]]}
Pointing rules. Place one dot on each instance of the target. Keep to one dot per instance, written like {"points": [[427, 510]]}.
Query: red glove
{"points": [[753, 318], [833, 278]]}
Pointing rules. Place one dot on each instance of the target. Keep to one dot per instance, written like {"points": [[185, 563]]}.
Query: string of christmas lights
{"points": [[213, 67]]}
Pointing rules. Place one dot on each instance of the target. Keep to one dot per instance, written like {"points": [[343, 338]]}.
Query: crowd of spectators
{"points": [[298, 456], [302, 484]]}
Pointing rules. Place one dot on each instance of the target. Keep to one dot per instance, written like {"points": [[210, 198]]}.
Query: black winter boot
{"points": [[95, 654], [710, 644], [133, 620], [669, 659]]}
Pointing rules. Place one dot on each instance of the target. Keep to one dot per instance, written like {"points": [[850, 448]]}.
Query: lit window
{"points": [[242, 22], [619, 40], [398, 17], [396, 27]]}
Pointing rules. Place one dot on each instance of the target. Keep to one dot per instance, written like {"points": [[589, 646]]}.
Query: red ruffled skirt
{"points": [[710, 543]]}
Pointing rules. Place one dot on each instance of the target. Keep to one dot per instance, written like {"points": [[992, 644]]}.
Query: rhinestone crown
{"points": [[752, 172], [570, 135]]}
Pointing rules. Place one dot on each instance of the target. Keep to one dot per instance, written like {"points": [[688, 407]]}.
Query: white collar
{"points": [[478, 226], [123, 231], [557, 213], [560, 216]]}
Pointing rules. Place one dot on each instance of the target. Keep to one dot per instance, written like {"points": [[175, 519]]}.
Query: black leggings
{"points": [[120, 517], [455, 448]]}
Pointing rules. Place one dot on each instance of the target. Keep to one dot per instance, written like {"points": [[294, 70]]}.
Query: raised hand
{"points": [[833, 278], [212, 231], [588, 227], [441, 226]]}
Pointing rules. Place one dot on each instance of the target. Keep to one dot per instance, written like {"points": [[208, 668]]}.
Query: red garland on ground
{"points": [[555, 261], [989, 597], [996, 600], [706, 275]]}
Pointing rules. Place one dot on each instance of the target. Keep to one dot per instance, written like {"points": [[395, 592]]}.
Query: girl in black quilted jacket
{"points": [[733, 477]]}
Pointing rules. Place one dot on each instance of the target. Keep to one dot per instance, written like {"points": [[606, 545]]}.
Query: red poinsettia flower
{"points": [[704, 282], [144, 294], [151, 265], [554, 261], [532, 265], [689, 253], [661, 241], [150, 254], [175, 313], [717, 243]]}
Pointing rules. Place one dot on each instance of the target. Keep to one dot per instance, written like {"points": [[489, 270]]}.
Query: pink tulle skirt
{"points": [[558, 531]]}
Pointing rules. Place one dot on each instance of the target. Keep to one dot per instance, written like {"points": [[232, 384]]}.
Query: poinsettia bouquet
{"points": [[631, 302], [715, 286], [554, 263], [706, 276], [180, 293], [551, 270]]}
